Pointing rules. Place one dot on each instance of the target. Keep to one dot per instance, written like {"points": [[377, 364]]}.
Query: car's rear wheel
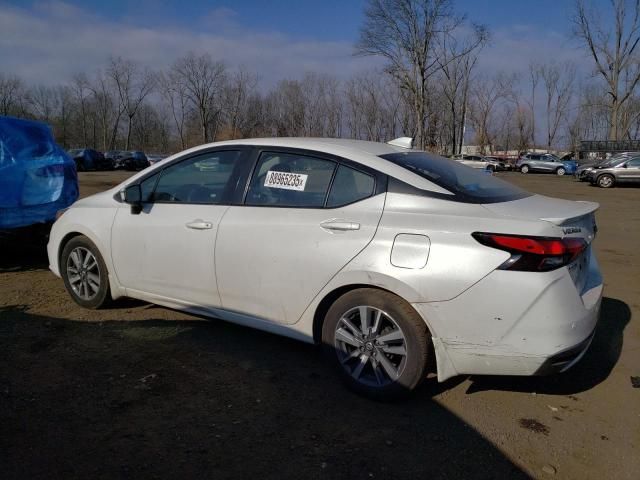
{"points": [[377, 342], [561, 171], [84, 273], [491, 168], [605, 181], [524, 169]]}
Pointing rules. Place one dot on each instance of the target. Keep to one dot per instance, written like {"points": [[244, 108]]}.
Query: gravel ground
{"points": [[139, 391]]}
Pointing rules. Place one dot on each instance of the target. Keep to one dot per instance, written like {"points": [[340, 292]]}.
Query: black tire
{"points": [[605, 181], [102, 296], [412, 365], [524, 169], [560, 171], [491, 168]]}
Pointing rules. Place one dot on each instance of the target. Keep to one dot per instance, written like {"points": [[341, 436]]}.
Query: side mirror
{"points": [[133, 196]]}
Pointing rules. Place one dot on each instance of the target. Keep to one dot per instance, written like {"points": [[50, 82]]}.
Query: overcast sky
{"points": [[48, 41]]}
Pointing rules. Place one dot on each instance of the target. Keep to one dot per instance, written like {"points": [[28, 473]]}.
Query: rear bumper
{"points": [[515, 323], [563, 361]]}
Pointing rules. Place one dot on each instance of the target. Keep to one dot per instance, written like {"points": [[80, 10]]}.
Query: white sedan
{"points": [[389, 257]]}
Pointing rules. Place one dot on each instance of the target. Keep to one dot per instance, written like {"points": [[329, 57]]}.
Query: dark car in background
{"points": [[37, 177], [113, 155], [90, 159], [132, 160], [616, 171]]}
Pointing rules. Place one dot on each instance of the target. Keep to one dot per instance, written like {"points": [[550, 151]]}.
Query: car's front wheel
{"points": [[524, 169], [377, 342], [561, 171], [605, 181], [84, 273]]}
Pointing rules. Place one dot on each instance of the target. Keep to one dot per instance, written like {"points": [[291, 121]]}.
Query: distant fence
{"points": [[610, 146]]}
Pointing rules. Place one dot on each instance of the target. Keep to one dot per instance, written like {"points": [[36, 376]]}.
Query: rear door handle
{"points": [[340, 225], [199, 225]]}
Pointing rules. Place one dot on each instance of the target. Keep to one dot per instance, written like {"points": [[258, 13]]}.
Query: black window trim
{"points": [[379, 178]]}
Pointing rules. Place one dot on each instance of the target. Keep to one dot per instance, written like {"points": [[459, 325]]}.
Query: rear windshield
{"points": [[465, 183]]}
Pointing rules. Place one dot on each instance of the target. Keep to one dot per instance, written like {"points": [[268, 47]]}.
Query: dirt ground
{"points": [[139, 391]]}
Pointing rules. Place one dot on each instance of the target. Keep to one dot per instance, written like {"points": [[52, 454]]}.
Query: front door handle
{"points": [[199, 225], [340, 225]]}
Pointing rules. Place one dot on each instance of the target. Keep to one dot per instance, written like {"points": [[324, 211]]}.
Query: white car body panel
{"points": [[155, 252], [288, 256], [271, 268]]}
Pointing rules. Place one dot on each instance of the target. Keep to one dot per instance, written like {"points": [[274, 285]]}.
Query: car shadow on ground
{"points": [[592, 369], [193, 399], [24, 249]]}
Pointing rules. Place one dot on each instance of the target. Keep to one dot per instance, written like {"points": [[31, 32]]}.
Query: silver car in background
{"points": [[622, 170], [479, 162], [541, 162], [388, 257], [582, 172]]}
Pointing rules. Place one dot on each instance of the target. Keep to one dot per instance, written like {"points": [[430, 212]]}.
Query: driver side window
{"points": [[203, 179]]}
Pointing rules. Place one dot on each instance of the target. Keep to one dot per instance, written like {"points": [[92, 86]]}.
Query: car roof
{"points": [[359, 151]]}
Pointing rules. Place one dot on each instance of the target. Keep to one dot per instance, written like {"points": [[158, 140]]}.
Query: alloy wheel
{"points": [[83, 273], [605, 181], [371, 346]]}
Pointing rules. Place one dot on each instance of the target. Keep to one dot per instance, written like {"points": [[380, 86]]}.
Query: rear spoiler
{"points": [[585, 208]]}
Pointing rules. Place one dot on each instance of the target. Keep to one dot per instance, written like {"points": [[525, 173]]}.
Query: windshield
{"points": [[467, 184]]}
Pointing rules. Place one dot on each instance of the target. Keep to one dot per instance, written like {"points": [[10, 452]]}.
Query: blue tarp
{"points": [[37, 177]]}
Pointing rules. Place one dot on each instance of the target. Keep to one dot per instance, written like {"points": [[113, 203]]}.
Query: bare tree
{"points": [[133, 86], [174, 93], [558, 85], [241, 85], [203, 79], [11, 95], [485, 94], [456, 69], [43, 102], [613, 49], [406, 33], [534, 78]]}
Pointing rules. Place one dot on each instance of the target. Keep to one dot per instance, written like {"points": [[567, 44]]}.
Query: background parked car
{"points": [[502, 165], [113, 155], [132, 160], [154, 158], [478, 161], [37, 177], [545, 163], [620, 170], [583, 170], [89, 159]]}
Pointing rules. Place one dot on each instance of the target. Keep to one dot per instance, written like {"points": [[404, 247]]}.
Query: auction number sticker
{"points": [[286, 180]]}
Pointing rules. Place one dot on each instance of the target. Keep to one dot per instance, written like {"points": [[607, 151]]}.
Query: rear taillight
{"points": [[533, 254]]}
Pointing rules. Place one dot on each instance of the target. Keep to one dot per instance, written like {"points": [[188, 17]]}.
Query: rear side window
{"points": [[349, 186], [290, 180], [466, 184]]}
